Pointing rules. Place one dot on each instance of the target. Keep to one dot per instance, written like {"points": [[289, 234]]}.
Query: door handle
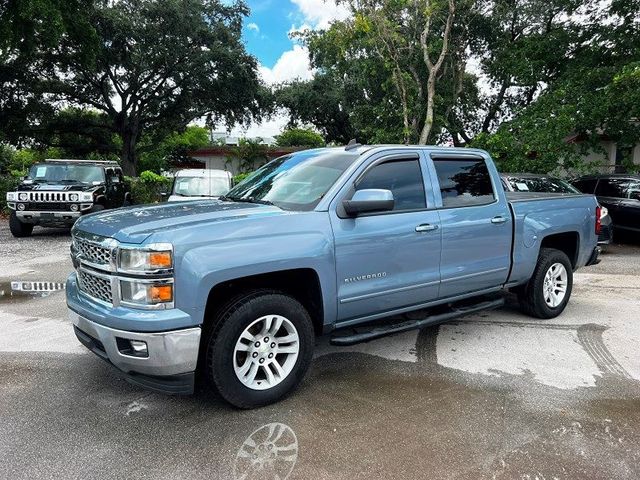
{"points": [[499, 219], [426, 227]]}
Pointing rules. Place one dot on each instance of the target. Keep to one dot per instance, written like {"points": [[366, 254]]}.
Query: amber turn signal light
{"points": [[160, 259], [161, 293]]}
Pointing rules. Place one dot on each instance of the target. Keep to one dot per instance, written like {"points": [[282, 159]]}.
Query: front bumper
{"points": [[29, 216], [172, 356]]}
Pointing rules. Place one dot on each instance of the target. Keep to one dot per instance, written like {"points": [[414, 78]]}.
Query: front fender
{"points": [[204, 267]]}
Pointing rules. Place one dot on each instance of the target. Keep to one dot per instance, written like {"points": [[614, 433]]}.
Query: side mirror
{"points": [[369, 201]]}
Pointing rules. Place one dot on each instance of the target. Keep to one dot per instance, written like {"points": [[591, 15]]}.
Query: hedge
{"points": [[148, 187]]}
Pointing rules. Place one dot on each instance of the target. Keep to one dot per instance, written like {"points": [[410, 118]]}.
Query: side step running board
{"points": [[384, 330]]}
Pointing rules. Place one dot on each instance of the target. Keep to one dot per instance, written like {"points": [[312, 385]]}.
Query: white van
{"points": [[192, 184]]}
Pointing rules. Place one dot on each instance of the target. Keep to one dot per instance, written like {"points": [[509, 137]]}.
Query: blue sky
{"points": [[266, 35]]}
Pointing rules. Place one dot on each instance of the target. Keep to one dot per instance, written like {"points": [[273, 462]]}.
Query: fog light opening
{"points": [[74, 207], [132, 348], [21, 206]]}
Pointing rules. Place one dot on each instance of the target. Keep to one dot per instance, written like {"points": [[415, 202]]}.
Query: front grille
{"points": [[41, 206], [95, 286], [92, 252], [43, 196]]}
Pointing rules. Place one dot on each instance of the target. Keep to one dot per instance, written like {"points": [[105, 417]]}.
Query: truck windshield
{"points": [[66, 173], [200, 186], [294, 182]]}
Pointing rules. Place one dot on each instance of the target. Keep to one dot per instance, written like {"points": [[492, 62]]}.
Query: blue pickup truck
{"points": [[347, 242]]}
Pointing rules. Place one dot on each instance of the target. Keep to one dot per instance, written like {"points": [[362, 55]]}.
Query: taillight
{"points": [[598, 220]]}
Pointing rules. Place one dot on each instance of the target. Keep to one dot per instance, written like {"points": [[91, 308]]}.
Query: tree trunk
{"points": [[428, 122], [433, 68], [129, 136]]}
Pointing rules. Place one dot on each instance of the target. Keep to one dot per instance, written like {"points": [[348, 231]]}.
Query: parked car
{"points": [[192, 184], [56, 193], [325, 241], [530, 182], [620, 194]]}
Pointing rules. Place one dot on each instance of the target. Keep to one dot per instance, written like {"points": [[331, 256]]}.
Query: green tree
{"points": [[173, 149], [321, 102], [249, 153], [153, 66], [300, 137]]}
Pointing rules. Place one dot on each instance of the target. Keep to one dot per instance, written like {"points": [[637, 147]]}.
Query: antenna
{"points": [[352, 144]]}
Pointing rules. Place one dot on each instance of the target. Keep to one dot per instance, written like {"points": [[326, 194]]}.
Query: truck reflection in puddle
{"points": [[270, 452], [25, 290]]}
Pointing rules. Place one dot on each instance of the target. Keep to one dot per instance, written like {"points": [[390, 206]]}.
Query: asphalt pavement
{"points": [[493, 395]]}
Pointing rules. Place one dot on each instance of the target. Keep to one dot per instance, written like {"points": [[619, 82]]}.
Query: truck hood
{"points": [[135, 224]]}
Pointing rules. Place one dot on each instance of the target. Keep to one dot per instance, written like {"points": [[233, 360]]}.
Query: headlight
{"points": [[73, 197], [142, 293], [146, 259], [86, 197], [23, 197], [11, 196]]}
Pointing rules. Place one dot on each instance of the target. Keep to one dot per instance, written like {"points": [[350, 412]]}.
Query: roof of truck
{"points": [[203, 172]]}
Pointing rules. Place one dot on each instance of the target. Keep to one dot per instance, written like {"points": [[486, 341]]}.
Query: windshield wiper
{"points": [[247, 200]]}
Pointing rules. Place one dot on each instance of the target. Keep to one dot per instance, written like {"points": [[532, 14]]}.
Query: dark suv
{"points": [[619, 193], [57, 192]]}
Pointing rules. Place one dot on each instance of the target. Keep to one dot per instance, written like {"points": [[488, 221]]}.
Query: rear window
{"points": [[464, 183]]}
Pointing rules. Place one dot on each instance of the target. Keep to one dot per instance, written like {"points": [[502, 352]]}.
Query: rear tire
{"points": [[548, 291], [18, 228], [237, 348]]}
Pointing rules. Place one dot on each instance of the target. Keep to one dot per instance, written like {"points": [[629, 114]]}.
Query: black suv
{"points": [[57, 192], [619, 193]]}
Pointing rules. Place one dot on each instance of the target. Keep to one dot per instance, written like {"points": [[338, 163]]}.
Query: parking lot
{"points": [[493, 395]]}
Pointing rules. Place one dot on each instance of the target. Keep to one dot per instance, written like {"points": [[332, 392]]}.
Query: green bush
{"points": [[8, 183], [148, 187]]}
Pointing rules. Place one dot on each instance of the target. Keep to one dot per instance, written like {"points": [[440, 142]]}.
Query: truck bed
{"points": [[537, 215]]}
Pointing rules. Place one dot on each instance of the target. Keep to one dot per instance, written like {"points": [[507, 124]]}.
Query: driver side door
{"points": [[388, 260]]}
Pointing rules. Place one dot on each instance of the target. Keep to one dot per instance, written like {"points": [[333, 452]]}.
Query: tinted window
{"points": [[586, 186], [464, 182], [613, 187], [403, 178]]}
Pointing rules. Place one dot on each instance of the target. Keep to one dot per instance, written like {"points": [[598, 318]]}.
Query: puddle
{"points": [[17, 291]]}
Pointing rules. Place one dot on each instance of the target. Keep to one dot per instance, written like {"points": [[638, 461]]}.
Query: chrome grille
{"points": [[95, 286], [92, 252]]}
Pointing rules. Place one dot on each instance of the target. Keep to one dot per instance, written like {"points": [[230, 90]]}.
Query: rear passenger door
{"points": [[476, 225], [388, 260]]}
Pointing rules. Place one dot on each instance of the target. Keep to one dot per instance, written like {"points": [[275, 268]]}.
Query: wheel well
{"points": [[568, 242], [303, 284]]}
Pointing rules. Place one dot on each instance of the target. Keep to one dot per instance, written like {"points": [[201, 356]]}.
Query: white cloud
{"points": [[253, 26], [319, 13], [292, 64]]}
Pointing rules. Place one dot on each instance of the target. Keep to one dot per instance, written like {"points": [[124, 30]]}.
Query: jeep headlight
{"points": [[73, 197], [146, 293], [12, 196], [23, 197], [153, 258]]}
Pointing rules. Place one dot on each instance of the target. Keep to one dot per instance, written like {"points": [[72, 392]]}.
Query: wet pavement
{"points": [[493, 395]]}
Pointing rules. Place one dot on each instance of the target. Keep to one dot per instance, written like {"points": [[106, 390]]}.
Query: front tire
{"points": [[548, 291], [259, 349], [19, 229]]}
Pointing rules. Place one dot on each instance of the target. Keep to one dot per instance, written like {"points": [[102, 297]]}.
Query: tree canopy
{"points": [[146, 66]]}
